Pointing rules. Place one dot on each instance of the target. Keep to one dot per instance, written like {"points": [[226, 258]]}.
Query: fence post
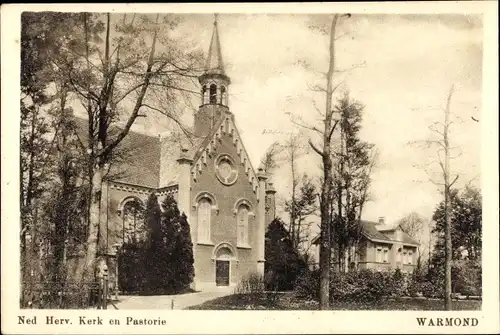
{"points": [[99, 291], [105, 289]]}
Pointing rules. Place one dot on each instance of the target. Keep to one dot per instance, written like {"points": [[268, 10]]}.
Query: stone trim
{"points": [[226, 121], [209, 196], [243, 201], [168, 190], [224, 245], [138, 189], [125, 200]]}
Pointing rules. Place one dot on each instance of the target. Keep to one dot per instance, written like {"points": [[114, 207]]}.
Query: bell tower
{"points": [[214, 88]]}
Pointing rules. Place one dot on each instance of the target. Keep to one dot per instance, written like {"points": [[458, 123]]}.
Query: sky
{"points": [[400, 67], [409, 63]]}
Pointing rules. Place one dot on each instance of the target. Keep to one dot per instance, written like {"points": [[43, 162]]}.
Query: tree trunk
{"points": [[447, 207], [294, 187], [93, 228], [340, 193], [447, 229], [326, 192]]}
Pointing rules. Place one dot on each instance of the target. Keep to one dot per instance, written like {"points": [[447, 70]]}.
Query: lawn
{"points": [[289, 301]]}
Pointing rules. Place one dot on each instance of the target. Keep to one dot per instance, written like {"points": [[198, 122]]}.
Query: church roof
{"points": [[214, 63], [138, 156], [171, 146]]}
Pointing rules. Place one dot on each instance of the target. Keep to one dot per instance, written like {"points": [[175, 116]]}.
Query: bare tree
{"points": [[441, 141], [270, 160], [413, 225], [292, 151], [324, 151]]}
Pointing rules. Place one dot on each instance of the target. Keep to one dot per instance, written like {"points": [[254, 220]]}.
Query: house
{"points": [[228, 203], [381, 247]]}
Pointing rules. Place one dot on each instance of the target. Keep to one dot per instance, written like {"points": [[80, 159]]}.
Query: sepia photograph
{"points": [[243, 161]]}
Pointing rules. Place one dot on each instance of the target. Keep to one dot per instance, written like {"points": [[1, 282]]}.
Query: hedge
{"points": [[367, 285]]}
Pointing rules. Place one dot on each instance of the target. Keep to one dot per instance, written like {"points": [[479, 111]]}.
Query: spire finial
{"points": [[214, 62]]}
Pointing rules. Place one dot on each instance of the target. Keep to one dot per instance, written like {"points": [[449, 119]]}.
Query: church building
{"points": [[227, 202]]}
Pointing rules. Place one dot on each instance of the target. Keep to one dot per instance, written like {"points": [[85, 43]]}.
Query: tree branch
{"points": [[319, 152], [332, 130], [453, 182], [147, 76]]}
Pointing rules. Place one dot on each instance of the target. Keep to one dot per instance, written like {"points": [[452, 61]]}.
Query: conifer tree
{"points": [[154, 240], [184, 255], [170, 253], [283, 263]]}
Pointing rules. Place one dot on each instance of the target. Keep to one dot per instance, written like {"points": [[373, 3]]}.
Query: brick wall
{"points": [[223, 222]]}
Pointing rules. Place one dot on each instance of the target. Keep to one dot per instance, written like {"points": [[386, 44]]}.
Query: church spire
{"points": [[214, 88], [214, 64]]}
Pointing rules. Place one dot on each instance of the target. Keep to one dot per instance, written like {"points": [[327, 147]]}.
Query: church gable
{"points": [[225, 129], [223, 197]]}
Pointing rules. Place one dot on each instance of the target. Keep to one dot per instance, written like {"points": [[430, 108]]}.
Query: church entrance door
{"points": [[222, 273]]}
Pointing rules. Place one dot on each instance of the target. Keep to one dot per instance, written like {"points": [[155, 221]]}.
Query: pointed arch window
{"points": [[204, 219], [133, 229], [242, 217], [223, 95], [204, 92], [213, 94]]}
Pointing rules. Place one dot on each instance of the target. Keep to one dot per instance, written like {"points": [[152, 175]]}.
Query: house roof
{"points": [[372, 232]]}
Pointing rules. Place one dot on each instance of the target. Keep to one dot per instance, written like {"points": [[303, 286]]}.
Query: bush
{"points": [[431, 290], [361, 285], [466, 276], [250, 284], [414, 287], [307, 284], [399, 284]]}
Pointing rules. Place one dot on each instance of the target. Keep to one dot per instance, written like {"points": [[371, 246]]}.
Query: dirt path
{"points": [[179, 301]]}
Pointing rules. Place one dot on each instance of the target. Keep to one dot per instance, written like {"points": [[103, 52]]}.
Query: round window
{"points": [[226, 170]]}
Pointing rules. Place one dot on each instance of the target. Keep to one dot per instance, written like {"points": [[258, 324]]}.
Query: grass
{"points": [[290, 301], [161, 292]]}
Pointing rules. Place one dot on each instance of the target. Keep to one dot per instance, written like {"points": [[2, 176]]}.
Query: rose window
{"points": [[226, 170]]}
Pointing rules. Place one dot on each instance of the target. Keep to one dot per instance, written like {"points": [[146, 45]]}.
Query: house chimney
{"points": [[381, 220]]}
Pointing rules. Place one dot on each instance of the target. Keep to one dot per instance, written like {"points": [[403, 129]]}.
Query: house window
{"points": [[398, 257], [204, 213], [242, 218], [410, 257], [386, 255], [405, 257], [378, 255]]}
